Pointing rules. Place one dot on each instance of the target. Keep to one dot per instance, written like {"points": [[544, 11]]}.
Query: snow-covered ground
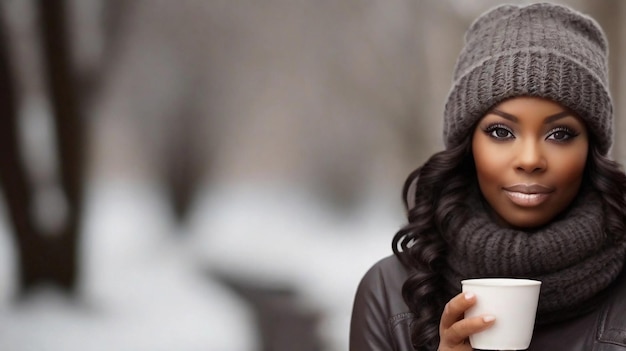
{"points": [[284, 235], [145, 289], [140, 291]]}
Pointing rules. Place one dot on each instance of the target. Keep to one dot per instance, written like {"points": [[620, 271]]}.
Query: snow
{"points": [[145, 284], [283, 235], [140, 291]]}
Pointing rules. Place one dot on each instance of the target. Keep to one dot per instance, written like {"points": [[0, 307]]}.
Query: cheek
{"points": [[570, 167], [490, 162]]}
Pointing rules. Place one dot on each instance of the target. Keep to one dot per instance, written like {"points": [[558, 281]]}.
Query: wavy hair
{"points": [[439, 189]]}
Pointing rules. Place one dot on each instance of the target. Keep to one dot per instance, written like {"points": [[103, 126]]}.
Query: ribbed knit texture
{"points": [[572, 256], [541, 50]]}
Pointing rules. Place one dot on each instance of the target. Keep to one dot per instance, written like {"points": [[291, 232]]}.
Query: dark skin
{"points": [[530, 157], [454, 330]]}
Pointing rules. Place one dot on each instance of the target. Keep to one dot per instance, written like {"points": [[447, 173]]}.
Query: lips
{"points": [[528, 195]]}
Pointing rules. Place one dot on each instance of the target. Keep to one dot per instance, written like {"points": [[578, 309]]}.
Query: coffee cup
{"points": [[513, 302]]}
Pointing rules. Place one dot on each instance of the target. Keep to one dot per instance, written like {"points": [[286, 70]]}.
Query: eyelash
{"points": [[570, 134], [492, 128]]}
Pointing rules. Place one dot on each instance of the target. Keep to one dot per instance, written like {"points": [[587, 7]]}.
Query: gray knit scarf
{"points": [[572, 256]]}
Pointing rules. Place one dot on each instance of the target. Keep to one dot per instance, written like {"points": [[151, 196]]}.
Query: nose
{"points": [[530, 157]]}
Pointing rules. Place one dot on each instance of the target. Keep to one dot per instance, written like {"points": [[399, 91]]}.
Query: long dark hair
{"points": [[439, 189]]}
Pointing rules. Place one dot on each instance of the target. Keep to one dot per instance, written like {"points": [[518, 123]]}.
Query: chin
{"points": [[527, 222]]}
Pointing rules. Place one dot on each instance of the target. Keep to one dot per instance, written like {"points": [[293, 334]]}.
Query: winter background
{"points": [[300, 120]]}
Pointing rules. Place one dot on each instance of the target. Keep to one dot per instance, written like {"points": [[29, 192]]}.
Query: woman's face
{"points": [[530, 155]]}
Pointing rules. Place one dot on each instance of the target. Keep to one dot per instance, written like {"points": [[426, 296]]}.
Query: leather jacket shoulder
{"points": [[381, 320]]}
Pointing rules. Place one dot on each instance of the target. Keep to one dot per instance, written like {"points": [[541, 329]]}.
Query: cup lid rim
{"points": [[501, 281]]}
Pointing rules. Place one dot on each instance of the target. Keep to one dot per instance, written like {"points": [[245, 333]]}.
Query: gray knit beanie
{"points": [[542, 50]]}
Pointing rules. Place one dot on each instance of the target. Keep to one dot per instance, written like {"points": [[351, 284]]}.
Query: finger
{"points": [[461, 330], [455, 308]]}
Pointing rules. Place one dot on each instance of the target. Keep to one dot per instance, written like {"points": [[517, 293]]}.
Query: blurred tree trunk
{"points": [[182, 160], [45, 257], [113, 17], [61, 249], [19, 194]]}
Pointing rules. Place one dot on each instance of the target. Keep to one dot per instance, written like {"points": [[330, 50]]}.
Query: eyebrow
{"points": [[513, 118]]}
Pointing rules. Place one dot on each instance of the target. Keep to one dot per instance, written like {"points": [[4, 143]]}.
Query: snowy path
{"points": [[140, 292], [146, 290]]}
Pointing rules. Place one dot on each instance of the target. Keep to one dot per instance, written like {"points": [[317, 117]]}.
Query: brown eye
{"points": [[501, 133], [561, 135]]}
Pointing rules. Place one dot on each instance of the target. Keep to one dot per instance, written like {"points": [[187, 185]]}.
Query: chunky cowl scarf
{"points": [[572, 256]]}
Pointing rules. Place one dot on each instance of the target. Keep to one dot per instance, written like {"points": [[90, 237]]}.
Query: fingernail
{"points": [[488, 319], [469, 295]]}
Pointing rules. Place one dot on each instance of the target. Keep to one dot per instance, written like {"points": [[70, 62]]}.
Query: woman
{"points": [[524, 188]]}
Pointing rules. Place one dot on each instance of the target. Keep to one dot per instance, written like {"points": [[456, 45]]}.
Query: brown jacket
{"points": [[381, 319]]}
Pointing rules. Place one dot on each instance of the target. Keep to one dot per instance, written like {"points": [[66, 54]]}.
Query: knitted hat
{"points": [[542, 50]]}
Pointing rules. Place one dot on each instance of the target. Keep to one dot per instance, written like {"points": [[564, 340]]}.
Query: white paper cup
{"points": [[514, 304]]}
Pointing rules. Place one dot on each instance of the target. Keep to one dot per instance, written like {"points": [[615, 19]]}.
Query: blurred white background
{"points": [[245, 161]]}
